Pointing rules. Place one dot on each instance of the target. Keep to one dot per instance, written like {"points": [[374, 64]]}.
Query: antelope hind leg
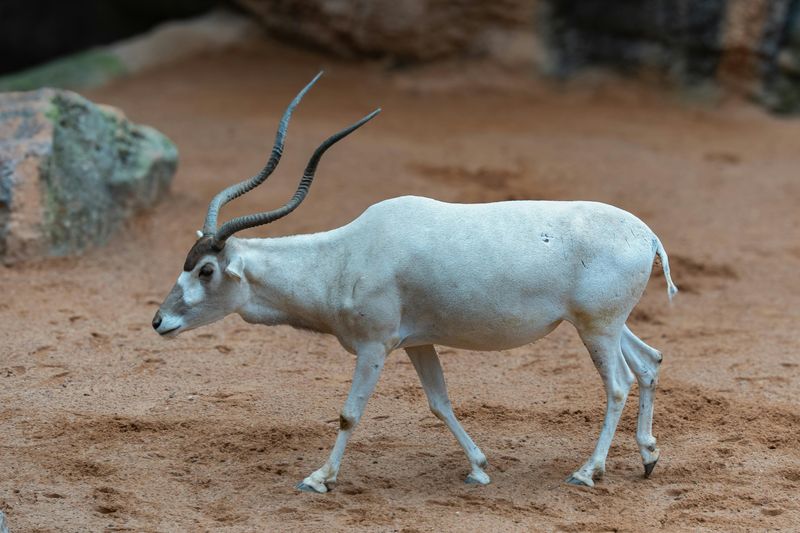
{"points": [[645, 363], [429, 369], [606, 354]]}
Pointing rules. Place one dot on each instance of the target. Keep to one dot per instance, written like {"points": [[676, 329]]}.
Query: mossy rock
{"points": [[72, 171]]}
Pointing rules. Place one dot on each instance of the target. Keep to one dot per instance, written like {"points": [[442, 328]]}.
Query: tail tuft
{"points": [[672, 290]]}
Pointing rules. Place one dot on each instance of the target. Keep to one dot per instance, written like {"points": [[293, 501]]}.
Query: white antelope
{"points": [[412, 272]]}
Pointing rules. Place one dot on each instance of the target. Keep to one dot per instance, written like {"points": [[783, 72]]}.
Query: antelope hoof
{"points": [[580, 480], [648, 468], [477, 478], [310, 486]]}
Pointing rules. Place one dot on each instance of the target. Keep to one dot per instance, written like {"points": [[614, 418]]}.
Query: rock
{"points": [[782, 88], [410, 30], [656, 33], [72, 171], [748, 47]]}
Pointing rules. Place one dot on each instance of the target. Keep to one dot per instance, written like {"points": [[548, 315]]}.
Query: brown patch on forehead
{"points": [[203, 247]]}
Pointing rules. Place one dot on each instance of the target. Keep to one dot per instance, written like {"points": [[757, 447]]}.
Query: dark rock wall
{"points": [[747, 46], [670, 34], [781, 47], [35, 31]]}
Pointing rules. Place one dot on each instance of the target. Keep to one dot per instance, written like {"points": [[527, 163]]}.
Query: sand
{"points": [[106, 426]]}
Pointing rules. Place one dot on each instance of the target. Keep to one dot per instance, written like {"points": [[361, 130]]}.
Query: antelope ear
{"points": [[235, 268]]}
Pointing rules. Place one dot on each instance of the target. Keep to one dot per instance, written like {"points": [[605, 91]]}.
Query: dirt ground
{"points": [[105, 426]]}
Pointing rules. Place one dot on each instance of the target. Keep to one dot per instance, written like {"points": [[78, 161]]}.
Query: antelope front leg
{"points": [[429, 369], [369, 363]]}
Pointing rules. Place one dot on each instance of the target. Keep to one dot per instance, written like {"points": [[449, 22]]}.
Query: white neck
{"points": [[290, 280]]}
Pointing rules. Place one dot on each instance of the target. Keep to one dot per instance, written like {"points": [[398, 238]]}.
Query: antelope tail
{"points": [[662, 254]]}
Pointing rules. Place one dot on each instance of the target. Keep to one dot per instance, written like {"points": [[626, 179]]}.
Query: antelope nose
{"points": [[157, 320]]}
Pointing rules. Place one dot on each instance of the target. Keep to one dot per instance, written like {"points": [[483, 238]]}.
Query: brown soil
{"points": [[103, 425]]}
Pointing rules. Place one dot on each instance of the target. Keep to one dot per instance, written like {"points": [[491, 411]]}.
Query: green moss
{"points": [[82, 70], [102, 169], [52, 113]]}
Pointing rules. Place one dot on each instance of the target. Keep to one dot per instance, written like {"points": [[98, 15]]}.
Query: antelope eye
{"points": [[206, 271]]}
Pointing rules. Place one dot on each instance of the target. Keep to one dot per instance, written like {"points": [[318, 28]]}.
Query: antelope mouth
{"points": [[172, 332]]}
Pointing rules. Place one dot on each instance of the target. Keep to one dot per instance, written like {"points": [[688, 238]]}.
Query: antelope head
{"points": [[213, 283]]}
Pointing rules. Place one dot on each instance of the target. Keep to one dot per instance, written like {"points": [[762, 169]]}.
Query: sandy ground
{"points": [[105, 426]]}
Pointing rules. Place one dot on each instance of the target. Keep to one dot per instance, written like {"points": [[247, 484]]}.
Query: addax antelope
{"points": [[413, 272]]}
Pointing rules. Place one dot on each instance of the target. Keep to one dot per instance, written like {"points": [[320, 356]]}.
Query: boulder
{"points": [[71, 171], [405, 31]]}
